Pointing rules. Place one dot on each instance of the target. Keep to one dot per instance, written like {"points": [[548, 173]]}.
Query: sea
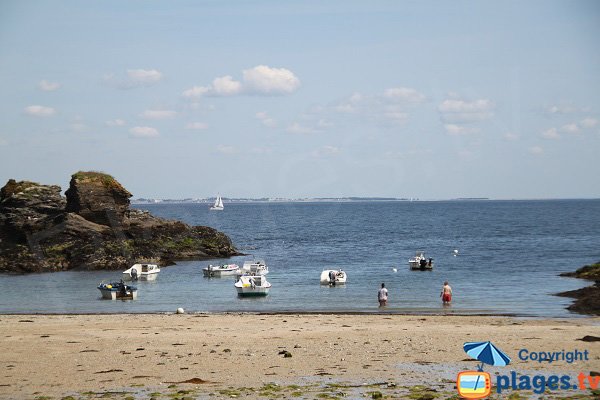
{"points": [[500, 257]]}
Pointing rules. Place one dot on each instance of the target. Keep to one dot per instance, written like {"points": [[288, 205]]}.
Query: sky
{"points": [[421, 99]]}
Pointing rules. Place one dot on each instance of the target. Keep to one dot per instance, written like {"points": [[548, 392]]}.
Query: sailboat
{"points": [[218, 206]]}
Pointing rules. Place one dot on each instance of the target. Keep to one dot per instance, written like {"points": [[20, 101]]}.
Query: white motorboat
{"points": [[248, 285], [217, 271], [144, 272], [420, 262], [117, 290], [333, 277], [253, 268], [218, 206]]}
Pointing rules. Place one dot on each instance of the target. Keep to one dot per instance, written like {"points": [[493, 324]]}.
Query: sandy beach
{"points": [[242, 355]]}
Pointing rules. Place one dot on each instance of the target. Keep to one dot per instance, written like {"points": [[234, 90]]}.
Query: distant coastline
{"points": [[210, 200]]}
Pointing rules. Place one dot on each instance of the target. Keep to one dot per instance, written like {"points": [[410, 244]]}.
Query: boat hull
{"points": [[142, 277], [115, 294], [415, 265], [144, 272], [252, 286], [248, 292], [217, 272]]}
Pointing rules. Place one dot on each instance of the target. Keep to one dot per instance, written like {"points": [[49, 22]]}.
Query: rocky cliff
{"points": [[93, 228], [587, 299]]}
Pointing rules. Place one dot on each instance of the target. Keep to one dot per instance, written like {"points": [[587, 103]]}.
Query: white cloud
{"points": [[135, 78], [404, 94], [196, 91], [48, 86], [225, 86], [456, 110], [300, 129], [457, 130], [266, 119], [39, 111], [570, 128], [260, 80], [551, 133], [561, 109], [270, 81], [115, 122], [223, 149], [589, 122], [143, 132], [144, 77], [536, 150], [196, 126], [325, 151], [158, 114], [511, 136]]}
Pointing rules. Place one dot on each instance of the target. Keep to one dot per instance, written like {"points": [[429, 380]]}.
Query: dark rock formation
{"points": [[588, 298], [92, 229], [98, 198]]}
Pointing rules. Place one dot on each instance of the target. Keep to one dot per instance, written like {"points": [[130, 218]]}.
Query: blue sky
{"points": [[424, 99]]}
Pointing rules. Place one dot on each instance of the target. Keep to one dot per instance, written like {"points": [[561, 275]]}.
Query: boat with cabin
{"points": [[248, 285], [420, 262], [253, 268], [143, 272]]}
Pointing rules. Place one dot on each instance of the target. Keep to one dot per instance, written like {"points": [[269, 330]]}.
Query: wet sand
{"points": [[243, 355]]}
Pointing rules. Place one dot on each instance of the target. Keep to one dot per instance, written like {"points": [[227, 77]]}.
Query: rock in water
{"points": [[180, 311], [94, 228]]}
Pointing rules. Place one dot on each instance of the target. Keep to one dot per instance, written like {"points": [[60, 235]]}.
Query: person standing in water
{"points": [[446, 293], [382, 296]]}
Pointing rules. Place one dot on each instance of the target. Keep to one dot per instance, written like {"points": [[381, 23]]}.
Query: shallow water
{"points": [[510, 253]]}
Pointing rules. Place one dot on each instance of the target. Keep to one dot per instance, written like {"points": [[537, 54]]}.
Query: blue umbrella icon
{"points": [[487, 353]]}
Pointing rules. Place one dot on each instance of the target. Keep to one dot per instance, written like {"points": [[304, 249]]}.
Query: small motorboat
{"points": [[333, 277], [144, 272], [420, 262], [248, 285], [253, 268], [117, 290], [217, 271]]}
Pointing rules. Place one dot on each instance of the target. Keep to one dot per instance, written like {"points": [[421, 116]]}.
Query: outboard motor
{"points": [[134, 275]]}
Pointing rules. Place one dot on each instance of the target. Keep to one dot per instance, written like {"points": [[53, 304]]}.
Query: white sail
{"points": [[218, 204]]}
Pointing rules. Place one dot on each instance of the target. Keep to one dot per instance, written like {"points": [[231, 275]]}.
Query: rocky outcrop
{"points": [[588, 298], [93, 228]]}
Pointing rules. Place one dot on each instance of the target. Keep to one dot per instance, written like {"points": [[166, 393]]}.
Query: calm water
{"points": [[510, 253]]}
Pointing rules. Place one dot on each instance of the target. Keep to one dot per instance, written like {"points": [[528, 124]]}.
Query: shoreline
{"points": [[243, 354]]}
